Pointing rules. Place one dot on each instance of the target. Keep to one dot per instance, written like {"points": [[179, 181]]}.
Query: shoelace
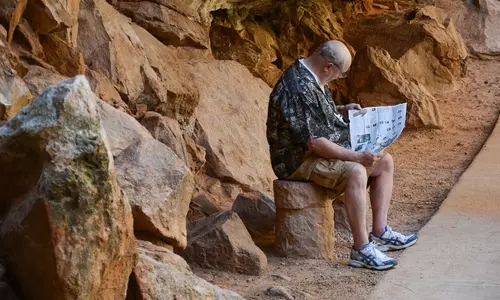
{"points": [[375, 253], [395, 234]]}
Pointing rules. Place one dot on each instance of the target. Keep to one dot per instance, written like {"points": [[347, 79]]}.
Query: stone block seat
{"points": [[304, 220]]}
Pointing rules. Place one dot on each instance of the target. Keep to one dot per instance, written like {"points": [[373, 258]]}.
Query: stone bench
{"points": [[304, 220]]}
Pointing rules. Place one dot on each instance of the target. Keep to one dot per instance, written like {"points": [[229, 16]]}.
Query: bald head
{"points": [[330, 61], [335, 52]]}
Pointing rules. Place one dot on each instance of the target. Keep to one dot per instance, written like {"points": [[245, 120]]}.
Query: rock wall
{"points": [[183, 88]]}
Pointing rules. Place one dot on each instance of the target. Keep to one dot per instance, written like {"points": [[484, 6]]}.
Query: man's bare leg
{"points": [[356, 205], [381, 193]]}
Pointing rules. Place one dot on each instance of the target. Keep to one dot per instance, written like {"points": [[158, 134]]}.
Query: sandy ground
{"points": [[428, 164]]}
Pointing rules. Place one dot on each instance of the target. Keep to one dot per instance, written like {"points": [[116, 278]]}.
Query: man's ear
{"points": [[328, 66]]}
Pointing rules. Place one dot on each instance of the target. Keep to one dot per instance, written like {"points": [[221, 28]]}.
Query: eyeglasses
{"points": [[342, 74]]}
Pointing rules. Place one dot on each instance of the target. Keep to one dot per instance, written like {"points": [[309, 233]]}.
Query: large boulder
{"points": [[49, 16], [222, 242], [67, 231], [122, 129], [376, 79], [110, 46], [424, 41], [235, 140], [11, 12], [14, 94], [32, 41], [105, 90], [159, 187], [178, 96], [65, 58], [258, 213], [166, 24], [37, 79], [256, 47], [143, 76], [491, 15], [162, 275], [478, 21], [167, 131]]}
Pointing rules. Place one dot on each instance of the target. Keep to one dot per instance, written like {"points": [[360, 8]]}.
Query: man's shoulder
{"points": [[295, 82]]}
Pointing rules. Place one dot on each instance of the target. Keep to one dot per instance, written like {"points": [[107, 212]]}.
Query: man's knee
{"points": [[387, 163], [358, 176]]}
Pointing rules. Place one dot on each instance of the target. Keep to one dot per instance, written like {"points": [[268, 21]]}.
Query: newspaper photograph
{"points": [[375, 128]]}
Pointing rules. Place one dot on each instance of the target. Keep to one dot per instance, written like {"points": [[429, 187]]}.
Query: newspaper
{"points": [[375, 128]]}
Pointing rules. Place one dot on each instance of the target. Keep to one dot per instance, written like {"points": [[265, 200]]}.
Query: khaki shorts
{"points": [[330, 173]]}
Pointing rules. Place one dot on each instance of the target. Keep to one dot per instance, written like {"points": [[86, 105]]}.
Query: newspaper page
{"points": [[375, 128]]}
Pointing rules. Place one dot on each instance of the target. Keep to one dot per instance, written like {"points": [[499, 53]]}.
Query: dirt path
{"points": [[428, 164]]}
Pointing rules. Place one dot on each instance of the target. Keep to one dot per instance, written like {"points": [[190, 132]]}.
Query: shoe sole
{"points": [[358, 264], [385, 248]]}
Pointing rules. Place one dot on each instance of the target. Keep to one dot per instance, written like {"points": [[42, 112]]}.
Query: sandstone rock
{"points": [[167, 131], [190, 8], [428, 45], [267, 36], [172, 93], [104, 90], [204, 205], [110, 46], [3, 35], [169, 26], [376, 79], [162, 275], [38, 79], [49, 16], [11, 12], [491, 15], [14, 94], [65, 58], [122, 130], [142, 76], [257, 52], [235, 140], [61, 204], [258, 213], [159, 187], [222, 242], [31, 38], [279, 291], [196, 154], [304, 220]]}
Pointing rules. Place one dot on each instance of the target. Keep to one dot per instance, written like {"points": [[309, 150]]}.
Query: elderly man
{"points": [[309, 141]]}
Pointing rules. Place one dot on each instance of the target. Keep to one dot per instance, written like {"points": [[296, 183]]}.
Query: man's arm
{"points": [[324, 148]]}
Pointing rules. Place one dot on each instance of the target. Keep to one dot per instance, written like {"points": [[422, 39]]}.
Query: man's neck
{"points": [[312, 66]]}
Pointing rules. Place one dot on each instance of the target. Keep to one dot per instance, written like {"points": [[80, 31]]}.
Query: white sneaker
{"points": [[371, 258], [392, 240]]}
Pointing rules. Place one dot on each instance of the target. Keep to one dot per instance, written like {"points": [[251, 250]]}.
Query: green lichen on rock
{"points": [[67, 231]]}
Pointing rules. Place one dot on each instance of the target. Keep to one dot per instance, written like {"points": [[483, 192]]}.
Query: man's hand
{"points": [[368, 159], [351, 106]]}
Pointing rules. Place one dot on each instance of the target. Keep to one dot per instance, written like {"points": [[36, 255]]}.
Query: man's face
{"points": [[334, 71]]}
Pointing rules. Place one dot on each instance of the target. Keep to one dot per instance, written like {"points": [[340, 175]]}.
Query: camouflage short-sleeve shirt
{"points": [[298, 112]]}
